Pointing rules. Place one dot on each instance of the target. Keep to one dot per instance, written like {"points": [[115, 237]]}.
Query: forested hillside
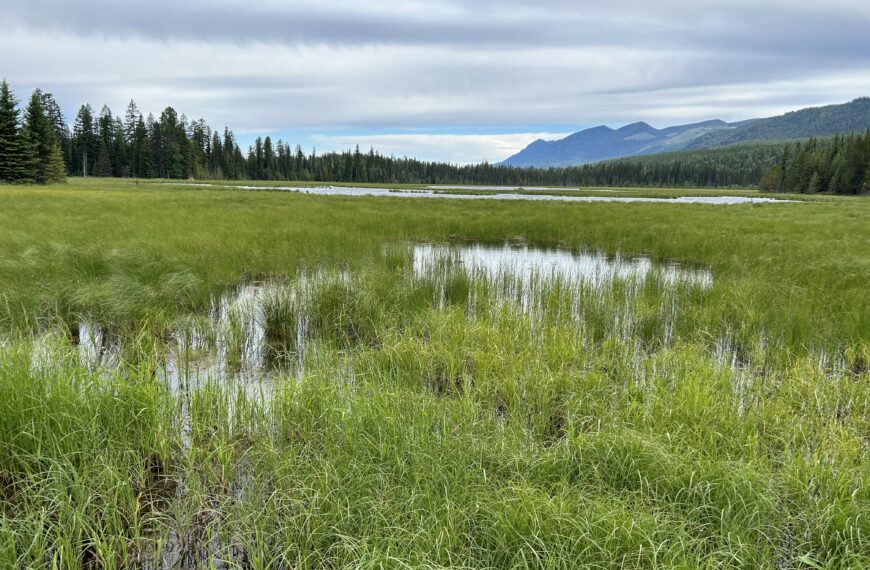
{"points": [[738, 165], [840, 165], [812, 122]]}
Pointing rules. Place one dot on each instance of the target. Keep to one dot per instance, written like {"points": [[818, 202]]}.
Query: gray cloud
{"points": [[400, 65]]}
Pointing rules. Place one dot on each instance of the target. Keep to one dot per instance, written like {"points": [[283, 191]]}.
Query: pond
{"points": [[432, 192]]}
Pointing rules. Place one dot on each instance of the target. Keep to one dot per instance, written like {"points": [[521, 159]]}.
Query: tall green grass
{"points": [[446, 419]]}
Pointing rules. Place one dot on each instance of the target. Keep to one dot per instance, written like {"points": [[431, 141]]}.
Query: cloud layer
{"points": [[389, 72]]}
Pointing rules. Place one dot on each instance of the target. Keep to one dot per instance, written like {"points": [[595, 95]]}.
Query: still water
{"points": [[509, 194]]}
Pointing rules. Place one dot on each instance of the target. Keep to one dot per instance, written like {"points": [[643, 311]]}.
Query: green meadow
{"points": [[393, 417]]}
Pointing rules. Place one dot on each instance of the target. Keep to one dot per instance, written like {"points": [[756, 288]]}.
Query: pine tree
{"points": [[119, 149], [815, 184], [13, 152], [783, 168], [29, 161], [58, 124], [55, 171], [268, 159], [772, 181], [40, 135], [84, 141], [144, 155], [103, 166], [107, 159], [131, 119]]}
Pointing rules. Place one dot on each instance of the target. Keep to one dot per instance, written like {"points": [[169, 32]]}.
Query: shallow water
{"points": [[512, 188], [230, 343], [524, 264], [511, 196]]}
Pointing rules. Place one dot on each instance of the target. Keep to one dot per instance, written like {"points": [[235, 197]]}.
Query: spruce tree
{"points": [[55, 171], [268, 159], [131, 119], [783, 168], [29, 160], [58, 125], [815, 184], [103, 166], [84, 141], [13, 152], [144, 158], [40, 134], [772, 180]]}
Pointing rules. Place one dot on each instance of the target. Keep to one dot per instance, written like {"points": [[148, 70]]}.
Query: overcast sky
{"points": [[457, 80]]}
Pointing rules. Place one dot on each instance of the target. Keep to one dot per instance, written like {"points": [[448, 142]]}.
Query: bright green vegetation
{"points": [[433, 423]]}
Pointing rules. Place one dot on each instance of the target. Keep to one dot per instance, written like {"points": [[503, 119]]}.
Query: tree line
{"points": [[30, 144], [839, 165], [37, 145]]}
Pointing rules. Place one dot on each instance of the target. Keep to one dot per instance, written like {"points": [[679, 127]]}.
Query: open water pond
{"points": [[508, 194]]}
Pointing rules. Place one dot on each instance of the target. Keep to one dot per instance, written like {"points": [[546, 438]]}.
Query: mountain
{"points": [[603, 143], [811, 122]]}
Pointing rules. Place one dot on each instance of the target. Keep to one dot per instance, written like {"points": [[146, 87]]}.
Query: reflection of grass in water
{"points": [[442, 419]]}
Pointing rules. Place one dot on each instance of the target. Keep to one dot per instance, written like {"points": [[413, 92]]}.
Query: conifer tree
{"points": [[815, 184], [131, 119], [58, 124], [772, 181], [55, 171], [12, 144], [103, 166], [268, 160], [41, 137], [144, 155], [85, 141]]}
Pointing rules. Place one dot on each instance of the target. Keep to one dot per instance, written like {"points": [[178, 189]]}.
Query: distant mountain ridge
{"points": [[637, 139], [810, 122]]}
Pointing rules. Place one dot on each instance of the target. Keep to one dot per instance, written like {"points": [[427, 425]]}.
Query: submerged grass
{"points": [[442, 419]]}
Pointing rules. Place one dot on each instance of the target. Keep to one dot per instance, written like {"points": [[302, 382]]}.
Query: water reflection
{"points": [[257, 330], [527, 264]]}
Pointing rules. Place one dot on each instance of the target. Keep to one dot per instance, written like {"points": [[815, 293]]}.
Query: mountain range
{"points": [[604, 143]]}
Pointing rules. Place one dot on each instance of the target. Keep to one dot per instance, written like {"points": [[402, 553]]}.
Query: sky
{"points": [[453, 80]]}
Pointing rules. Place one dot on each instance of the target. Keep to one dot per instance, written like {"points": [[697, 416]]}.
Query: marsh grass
{"points": [[448, 418]]}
